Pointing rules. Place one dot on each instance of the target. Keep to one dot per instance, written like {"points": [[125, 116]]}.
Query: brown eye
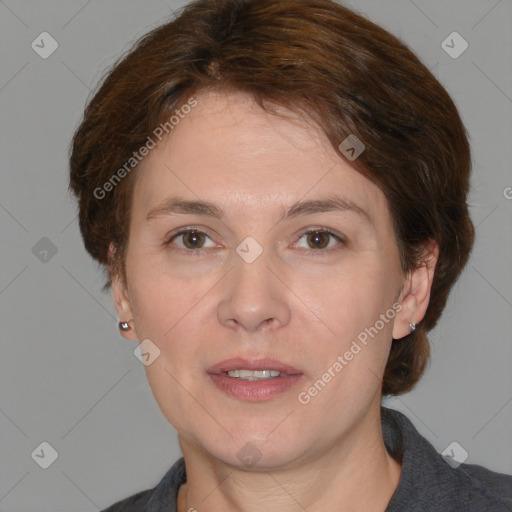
{"points": [[190, 240], [193, 239], [318, 239]]}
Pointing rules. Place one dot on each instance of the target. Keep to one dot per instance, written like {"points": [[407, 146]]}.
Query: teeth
{"points": [[254, 375]]}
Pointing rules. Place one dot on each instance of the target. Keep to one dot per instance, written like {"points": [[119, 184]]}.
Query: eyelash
{"points": [[316, 252]]}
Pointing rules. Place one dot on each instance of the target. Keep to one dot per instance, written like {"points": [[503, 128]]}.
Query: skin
{"points": [[302, 301]]}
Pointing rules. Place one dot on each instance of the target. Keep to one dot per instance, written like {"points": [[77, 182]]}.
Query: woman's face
{"points": [[249, 282]]}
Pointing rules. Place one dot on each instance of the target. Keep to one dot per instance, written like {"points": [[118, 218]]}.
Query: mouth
{"points": [[254, 374], [254, 379], [262, 368]]}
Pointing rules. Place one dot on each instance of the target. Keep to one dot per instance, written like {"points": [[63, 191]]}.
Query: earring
{"points": [[124, 326], [412, 328]]}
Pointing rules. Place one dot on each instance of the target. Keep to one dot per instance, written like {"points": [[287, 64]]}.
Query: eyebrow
{"points": [[178, 205]]}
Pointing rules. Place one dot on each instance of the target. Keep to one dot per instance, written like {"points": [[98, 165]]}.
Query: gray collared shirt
{"points": [[427, 483]]}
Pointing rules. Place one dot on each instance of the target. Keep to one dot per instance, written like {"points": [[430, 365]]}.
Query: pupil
{"points": [[195, 237], [317, 238]]}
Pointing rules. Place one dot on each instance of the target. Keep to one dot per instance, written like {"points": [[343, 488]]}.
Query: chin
{"points": [[254, 452]]}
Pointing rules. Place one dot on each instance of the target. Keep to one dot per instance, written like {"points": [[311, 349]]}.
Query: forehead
{"points": [[227, 149]]}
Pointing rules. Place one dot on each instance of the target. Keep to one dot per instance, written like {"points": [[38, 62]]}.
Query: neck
{"points": [[357, 471]]}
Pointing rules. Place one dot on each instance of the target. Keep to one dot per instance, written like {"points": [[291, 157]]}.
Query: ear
{"points": [[120, 297], [416, 292]]}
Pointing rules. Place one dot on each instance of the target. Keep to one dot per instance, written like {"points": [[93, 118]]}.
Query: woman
{"points": [[277, 190]]}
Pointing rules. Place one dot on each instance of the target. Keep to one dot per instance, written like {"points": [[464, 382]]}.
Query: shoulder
{"points": [[431, 483], [486, 488], [161, 498]]}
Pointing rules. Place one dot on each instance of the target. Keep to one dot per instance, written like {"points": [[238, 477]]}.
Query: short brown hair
{"points": [[316, 57]]}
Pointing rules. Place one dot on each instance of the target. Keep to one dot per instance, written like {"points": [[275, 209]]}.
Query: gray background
{"points": [[66, 375]]}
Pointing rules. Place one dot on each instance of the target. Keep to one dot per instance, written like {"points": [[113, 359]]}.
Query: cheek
{"points": [[168, 312], [347, 367], [162, 299], [354, 307], [177, 315], [348, 299]]}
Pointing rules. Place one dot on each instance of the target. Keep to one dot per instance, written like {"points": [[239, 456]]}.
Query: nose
{"points": [[254, 298]]}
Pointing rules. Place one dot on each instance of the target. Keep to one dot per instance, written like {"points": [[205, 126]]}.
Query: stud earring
{"points": [[124, 326], [412, 328]]}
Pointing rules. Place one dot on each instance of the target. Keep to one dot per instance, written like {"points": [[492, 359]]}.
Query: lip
{"points": [[239, 363], [254, 390]]}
